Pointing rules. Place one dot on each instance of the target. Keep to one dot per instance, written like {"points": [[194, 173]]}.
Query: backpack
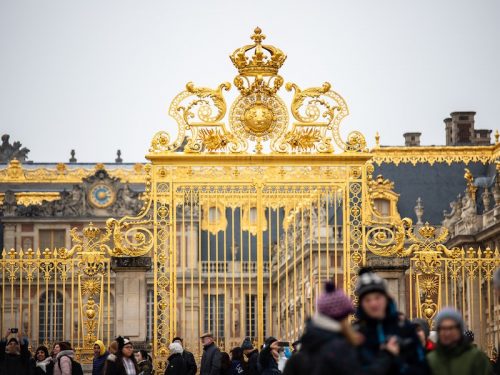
{"points": [[76, 367]]}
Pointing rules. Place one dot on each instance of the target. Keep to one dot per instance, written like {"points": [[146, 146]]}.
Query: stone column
{"points": [[131, 296], [393, 270]]}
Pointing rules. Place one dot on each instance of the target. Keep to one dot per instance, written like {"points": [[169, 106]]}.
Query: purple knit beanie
{"points": [[333, 303]]}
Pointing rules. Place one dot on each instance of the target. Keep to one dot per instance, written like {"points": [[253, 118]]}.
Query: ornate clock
{"points": [[101, 195]]}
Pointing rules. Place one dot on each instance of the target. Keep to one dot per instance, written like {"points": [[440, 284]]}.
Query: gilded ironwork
{"points": [[80, 276]]}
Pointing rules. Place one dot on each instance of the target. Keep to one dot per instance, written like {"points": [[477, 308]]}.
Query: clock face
{"points": [[101, 196]]}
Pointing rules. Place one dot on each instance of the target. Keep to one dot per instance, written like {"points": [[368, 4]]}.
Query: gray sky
{"points": [[99, 75]]}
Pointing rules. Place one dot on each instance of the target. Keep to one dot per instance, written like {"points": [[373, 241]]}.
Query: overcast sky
{"points": [[99, 75]]}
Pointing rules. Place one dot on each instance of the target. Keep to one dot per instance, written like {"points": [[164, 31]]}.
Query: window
{"points": [[51, 238], [382, 206], [150, 305], [50, 318], [214, 314], [251, 315]]}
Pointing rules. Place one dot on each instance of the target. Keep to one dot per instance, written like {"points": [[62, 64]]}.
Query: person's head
{"points": [[141, 355], [13, 347], [450, 327], [422, 329], [178, 339], [333, 303], [371, 290], [295, 345], [56, 349], [41, 353], [64, 345], [272, 343], [175, 348], [99, 348], [237, 354], [125, 347], [207, 339], [247, 345], [113, 347]]}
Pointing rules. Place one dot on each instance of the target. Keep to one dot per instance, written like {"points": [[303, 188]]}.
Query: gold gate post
{"points": [[260, 265]]}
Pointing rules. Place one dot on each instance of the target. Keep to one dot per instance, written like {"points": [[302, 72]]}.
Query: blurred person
{"points": [[189, 360], [43, 361], [100, 355], [15, 357], [176, 363], [123, 362], [455, 354], [378, 321], [211, 358], [252, 355], [144, 364]]}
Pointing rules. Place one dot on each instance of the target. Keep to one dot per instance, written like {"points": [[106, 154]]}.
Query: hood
{"points": [[102, 348], [69, 353], [319, 330], [391, 312]]}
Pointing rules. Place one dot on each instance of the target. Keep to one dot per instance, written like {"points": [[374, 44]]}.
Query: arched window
{"points": [[50, 318]]}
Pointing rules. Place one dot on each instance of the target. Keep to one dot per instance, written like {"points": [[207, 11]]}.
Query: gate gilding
{"points": [[247, 219]]}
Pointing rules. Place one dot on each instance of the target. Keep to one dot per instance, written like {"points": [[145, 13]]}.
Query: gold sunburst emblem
{"points": [[258, 117]]}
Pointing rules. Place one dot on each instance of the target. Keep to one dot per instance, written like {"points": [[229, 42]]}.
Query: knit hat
{"points": [[122, 341], [449, 313], [102, 348], [247, 344], [333, 303], [369, 282], [422, 323]]}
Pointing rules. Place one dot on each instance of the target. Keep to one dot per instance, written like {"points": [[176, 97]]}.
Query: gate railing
{"points": [[57, 295]]}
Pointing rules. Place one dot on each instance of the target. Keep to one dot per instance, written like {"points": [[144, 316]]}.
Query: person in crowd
{"points": [[378, 321], [176, 363], [237, 361], [252, 355], [43, 361], [295, 346], [15, 357], [14, 353], [189, 360], [211, 358], [225, 364], [55, 351], [144, 365], [268, 357], [328, 345], [100, 355], [123, 362], [455, 354], [423, 332], [63, 364]]}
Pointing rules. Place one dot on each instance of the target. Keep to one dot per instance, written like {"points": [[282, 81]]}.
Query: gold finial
{"points": [[257, 36], [377, 140], [266, 59], [497, 136]]}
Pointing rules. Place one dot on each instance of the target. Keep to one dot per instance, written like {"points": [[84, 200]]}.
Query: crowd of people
{"points": [[380, 340]]}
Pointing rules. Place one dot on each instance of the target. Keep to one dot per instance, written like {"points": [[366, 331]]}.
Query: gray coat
{"points": [[210, 361]]}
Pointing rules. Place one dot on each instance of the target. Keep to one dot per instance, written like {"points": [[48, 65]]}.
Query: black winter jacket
{"points": [[191, 366], [252, 366], [324, 350], [176, 365], [411, 359], [210, 360], [19, 364]]}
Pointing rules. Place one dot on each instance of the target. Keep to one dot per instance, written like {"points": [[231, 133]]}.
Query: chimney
{"points": [[412, 139], [448, 130], [462, 128]]}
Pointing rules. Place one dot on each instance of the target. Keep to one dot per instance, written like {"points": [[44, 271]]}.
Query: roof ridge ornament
{"points": [[258, 114]]}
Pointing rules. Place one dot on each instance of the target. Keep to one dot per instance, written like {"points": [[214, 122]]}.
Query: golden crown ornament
{"points": [[258, 114]]}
